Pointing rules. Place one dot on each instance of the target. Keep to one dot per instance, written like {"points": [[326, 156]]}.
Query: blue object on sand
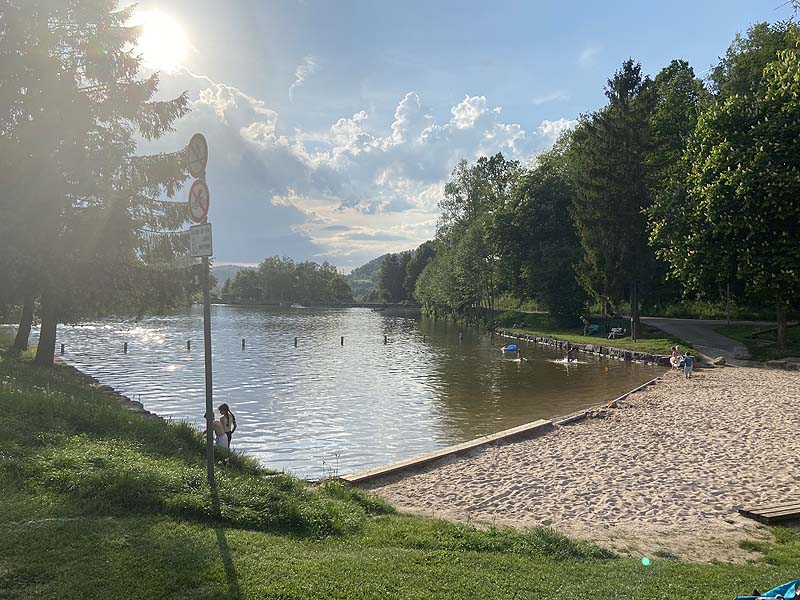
{"points": [[789, 591], [510, 348]]}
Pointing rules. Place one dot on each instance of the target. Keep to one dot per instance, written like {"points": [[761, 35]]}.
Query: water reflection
{"points": [[383, 395]]}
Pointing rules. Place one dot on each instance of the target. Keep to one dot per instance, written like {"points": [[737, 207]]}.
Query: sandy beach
{"points": [[661, 475]]}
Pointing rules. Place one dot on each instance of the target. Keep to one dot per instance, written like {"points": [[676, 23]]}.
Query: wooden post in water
{"points": [[342, 340], [295, 342], [125, 347], [386, 339], [243, 343], [189, 345], [62, 348]]}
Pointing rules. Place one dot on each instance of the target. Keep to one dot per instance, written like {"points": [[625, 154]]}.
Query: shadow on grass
{"points": [[99, 557], [224, 550]]}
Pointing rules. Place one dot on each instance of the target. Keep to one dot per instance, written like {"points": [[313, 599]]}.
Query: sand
{"points": [[661, 475]]}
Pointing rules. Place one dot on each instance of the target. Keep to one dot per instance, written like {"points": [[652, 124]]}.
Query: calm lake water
{"points": [[322, 407]]}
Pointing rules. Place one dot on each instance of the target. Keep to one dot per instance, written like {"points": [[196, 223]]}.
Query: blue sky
{"points": [[333, 126]]}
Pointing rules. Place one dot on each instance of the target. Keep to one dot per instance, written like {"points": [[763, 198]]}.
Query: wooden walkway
{"points": [[773, 513], [521, 432]]}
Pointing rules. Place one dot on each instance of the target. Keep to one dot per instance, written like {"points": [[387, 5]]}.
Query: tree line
{"points": [[282, 281], [87, 226], [676, 187], [398, 275]]}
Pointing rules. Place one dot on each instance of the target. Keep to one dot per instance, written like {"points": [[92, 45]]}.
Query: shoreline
{"points": [[609, 351], [661, 474], [525, 431], [133, 406]]}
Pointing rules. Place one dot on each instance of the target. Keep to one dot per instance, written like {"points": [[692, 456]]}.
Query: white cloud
{"points": [[469, 111], [224, 99], [551, 97], [304, 70], [588, 56], [349, 192], [552, 129]]}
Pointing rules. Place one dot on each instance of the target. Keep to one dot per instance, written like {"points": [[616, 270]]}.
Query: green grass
{"points": [[652, 340], [762, 347], [102, 503]]}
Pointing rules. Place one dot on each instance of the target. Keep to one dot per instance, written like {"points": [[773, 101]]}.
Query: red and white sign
{"points": [[199, 201], [198, 155]]}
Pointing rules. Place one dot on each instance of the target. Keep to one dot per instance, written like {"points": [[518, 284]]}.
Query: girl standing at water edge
{"points": [[219, 433], [228, 421]]}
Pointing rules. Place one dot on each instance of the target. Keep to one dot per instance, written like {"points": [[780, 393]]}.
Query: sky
{"points": [[333, 126]]}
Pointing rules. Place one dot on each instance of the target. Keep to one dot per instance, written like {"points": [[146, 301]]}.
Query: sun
{"points": [[162, 43]]}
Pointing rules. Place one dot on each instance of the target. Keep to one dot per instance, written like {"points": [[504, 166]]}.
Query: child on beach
{"points": [[676, 357], [688, 363]]}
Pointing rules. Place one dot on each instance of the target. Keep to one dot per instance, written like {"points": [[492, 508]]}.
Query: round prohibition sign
{"points": [[198, 155], [199, 201]]}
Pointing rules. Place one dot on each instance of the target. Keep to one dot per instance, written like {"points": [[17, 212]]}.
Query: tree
{"points": [[744, 185], [247, 286], [278, 279], [281, 280], [417, 262], [538, 241], [679, 98], [610, 147], [739, 71], [464, 276], [82, 204], [392, 276]]}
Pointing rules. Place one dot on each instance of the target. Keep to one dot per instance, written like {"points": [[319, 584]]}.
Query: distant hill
{"points": [[365, 278]]}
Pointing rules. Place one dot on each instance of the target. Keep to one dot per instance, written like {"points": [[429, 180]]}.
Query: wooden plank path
{"points": [[527, 430], [773, 513]]}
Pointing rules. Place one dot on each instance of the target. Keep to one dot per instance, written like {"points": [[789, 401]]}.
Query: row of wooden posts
{"points": [[244, 342]]}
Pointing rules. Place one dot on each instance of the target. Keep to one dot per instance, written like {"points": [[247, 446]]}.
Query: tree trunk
{"points": [[634, 314], [45, 351], [25, 322], [781, 329]]}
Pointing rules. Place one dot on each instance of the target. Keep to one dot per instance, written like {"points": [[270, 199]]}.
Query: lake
{"points": [[323, 408]]}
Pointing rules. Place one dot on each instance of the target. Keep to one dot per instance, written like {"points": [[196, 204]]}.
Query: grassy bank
{"points": [[760, 340], [652, 340], [99, 502]]}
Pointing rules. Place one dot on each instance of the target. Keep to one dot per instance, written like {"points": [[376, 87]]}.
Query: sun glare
{"points": [[163, 43]]}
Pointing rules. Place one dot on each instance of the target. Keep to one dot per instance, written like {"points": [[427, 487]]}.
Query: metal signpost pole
{"points": [[200, 247], [209, 385]]}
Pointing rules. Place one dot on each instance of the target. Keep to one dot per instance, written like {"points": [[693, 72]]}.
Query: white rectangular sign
{"points": [[200, 240]]}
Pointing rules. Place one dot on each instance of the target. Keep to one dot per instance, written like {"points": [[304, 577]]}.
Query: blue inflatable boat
{"points": [[787, 591]]}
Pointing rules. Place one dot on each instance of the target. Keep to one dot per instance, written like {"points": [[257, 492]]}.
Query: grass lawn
{"points": [[102, 503], [762, 347], [652, 340]]}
